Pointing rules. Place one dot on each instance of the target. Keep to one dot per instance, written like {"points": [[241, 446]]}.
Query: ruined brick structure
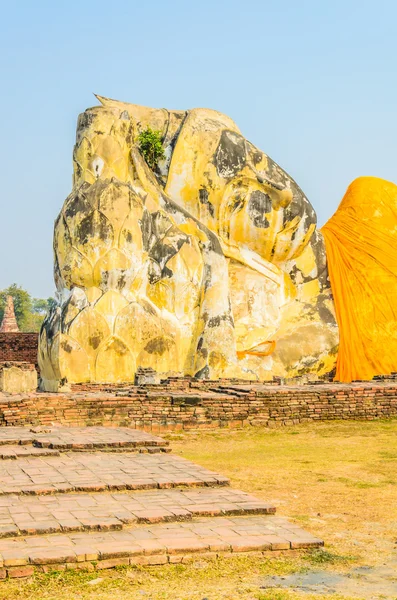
{"points": [[191, 404], [19, 347], [9, 323]]}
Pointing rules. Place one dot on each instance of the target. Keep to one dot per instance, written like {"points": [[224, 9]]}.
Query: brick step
{"points": [[114, 449], [88, 471], [80, 438], [34, 515], [14, 452], [151, 544]]}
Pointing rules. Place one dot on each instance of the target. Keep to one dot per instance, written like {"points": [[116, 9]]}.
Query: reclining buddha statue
{"points": [[207, 264]]}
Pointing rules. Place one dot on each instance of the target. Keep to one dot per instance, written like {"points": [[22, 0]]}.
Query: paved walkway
{"points": [[96, 472], [136, 509], [155, 544], [30, 515]]}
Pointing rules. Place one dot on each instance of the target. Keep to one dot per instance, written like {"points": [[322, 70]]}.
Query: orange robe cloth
{"points": [[361, 246]]}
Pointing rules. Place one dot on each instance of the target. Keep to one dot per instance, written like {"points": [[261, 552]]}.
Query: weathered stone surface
{"points": [[16, 378], [211, 266]]}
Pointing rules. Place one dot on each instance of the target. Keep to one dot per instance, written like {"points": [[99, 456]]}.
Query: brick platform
{"points": [[31, 515], [188, 404], [151, 545], [82, 438], [150, 520], [93, 472]]}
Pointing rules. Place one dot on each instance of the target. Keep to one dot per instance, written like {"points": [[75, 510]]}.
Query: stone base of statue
{"points": [[17, 377]]}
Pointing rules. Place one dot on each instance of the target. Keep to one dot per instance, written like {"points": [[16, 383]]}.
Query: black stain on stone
{"points": [[77, 204], [216, 321], [122, 280], [255, 155], [92, 227], [258, 205], [146, 228], [318, 246], [148, 307], [298, 277], [95, 340], [238, 202], [207, 276], [230, 156], [300, 207], [52, 323], [324, 312], [203, 352], [166, 273], [66, 346], [86, 119], [163, 252], [158, 346], [203, 373], [119, 347], [154, 272], [79, 170], [204, 199], [161, 223]]}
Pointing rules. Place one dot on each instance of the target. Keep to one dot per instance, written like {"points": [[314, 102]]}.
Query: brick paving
{"points": [[31, 515], [80, 438], [91, 471], [152, 544], [14, 452], [88, 509]]}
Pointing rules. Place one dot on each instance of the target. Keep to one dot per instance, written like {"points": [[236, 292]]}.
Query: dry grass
{"points": [[337, 480]]}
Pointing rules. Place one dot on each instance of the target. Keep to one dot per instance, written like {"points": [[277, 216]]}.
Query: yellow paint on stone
{"points": [[206, 268]]}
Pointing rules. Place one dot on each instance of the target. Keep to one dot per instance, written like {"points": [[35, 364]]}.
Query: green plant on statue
{"points": [[149, 141]]}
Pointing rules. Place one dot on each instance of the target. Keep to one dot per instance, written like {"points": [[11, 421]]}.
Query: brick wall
{"points": [[167, 408], [19, 347]]}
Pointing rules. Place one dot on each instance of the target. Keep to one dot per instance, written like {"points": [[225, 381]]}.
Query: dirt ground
{"points": [[337, 480]]}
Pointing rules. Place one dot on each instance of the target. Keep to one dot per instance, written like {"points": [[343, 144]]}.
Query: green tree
{"points": [[149, 142], [29, 312], [41, 306]]}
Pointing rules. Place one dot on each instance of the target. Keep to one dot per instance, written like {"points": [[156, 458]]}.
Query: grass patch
{"points": [[325, 557], [214, 579], [287, 595]]}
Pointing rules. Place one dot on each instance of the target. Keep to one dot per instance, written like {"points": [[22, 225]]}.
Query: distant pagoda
{"points": [[9, 323]]}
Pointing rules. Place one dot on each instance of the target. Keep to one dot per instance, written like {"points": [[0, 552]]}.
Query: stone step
{"points": [[80, 438], [33, 515], [151, 544], [89, 471]]}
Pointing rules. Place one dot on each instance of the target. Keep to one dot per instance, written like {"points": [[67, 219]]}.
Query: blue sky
{"points": [[312, 83]]}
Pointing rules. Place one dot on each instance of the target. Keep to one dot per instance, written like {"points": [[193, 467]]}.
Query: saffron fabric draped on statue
{"points": [[361, 246]]}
